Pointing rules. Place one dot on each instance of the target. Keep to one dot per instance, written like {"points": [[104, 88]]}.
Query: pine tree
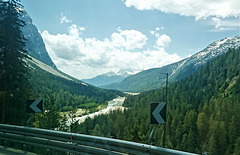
{"points": [[13, 70], [50, 119], [97, 130], [202, 126]]}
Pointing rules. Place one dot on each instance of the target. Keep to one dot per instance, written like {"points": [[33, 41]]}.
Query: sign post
{"points": [[158, 113], [33, 106]]}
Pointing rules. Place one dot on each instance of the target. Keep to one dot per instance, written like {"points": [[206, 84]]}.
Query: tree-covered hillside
{"points": [[67, 93], [143, 81], [202, 112]]}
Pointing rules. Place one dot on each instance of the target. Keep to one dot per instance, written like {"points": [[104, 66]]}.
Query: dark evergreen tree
{"points": [[50, 119], [13, 70]]}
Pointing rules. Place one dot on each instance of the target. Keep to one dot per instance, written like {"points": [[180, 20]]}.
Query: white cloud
{"points": [[155, 32], [64, 46], [75, 30], [163, 40], [199, 9], [64, 19], [224, 24], [217, 22], [130, 39], [88, 57], [82, 28], [216, 10]]}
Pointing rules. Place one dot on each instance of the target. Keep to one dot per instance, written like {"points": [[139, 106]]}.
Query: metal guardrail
{"points": [[79, 143]]}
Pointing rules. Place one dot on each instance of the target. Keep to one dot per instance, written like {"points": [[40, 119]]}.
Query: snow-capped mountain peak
{"points": [[216, 48], [110, 77], [109, 74], [125, 72]]}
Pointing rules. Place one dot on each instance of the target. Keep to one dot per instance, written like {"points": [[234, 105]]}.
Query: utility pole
{"points": [[158, 113], [164, 127]]}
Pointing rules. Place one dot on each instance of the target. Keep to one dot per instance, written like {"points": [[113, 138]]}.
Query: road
{"points": [[112, 105]]}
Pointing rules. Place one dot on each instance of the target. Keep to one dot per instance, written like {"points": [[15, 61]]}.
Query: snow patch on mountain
{"points": [[180, 64], [126, 72], [210, 52], [109, 74], [218, 47], [110, 77], [122, 72]]}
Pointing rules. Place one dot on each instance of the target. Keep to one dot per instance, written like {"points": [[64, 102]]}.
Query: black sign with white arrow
{"points": [[158, 113], [34, 105]]}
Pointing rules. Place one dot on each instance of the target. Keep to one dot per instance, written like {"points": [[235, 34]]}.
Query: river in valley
{"points": [[112, 105]]}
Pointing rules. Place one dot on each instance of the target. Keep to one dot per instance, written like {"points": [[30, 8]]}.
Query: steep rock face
{"points": [[34, 42], [154, 79]]}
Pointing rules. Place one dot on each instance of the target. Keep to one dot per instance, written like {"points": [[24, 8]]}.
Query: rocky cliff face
{"points": [[34, 42]]}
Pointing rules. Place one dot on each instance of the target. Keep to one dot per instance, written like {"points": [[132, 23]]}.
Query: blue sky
{"points": [[86, 38]]}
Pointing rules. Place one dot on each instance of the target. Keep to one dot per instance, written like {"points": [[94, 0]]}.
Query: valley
{"points": [[115, 104], [202, 92]]}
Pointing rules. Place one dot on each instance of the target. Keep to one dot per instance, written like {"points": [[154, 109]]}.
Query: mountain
{"points": [[67, 91], [46, 79], [34, 42], [202, 112], [154, 78], [109, 77]]}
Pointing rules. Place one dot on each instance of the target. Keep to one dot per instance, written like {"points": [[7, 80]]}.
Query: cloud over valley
{"points": [[89, 57]]}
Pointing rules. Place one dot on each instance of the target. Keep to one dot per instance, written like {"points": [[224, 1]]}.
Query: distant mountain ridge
{"points": [[34, 42], [154, 79], [109, 77]]}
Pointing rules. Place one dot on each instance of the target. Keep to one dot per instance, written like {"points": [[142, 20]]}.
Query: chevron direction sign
{"points": [[34, 105], [158, 113]]}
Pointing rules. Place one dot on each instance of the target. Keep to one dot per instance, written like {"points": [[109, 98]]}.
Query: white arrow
{"points": [[34, 106], [156, 113]]}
